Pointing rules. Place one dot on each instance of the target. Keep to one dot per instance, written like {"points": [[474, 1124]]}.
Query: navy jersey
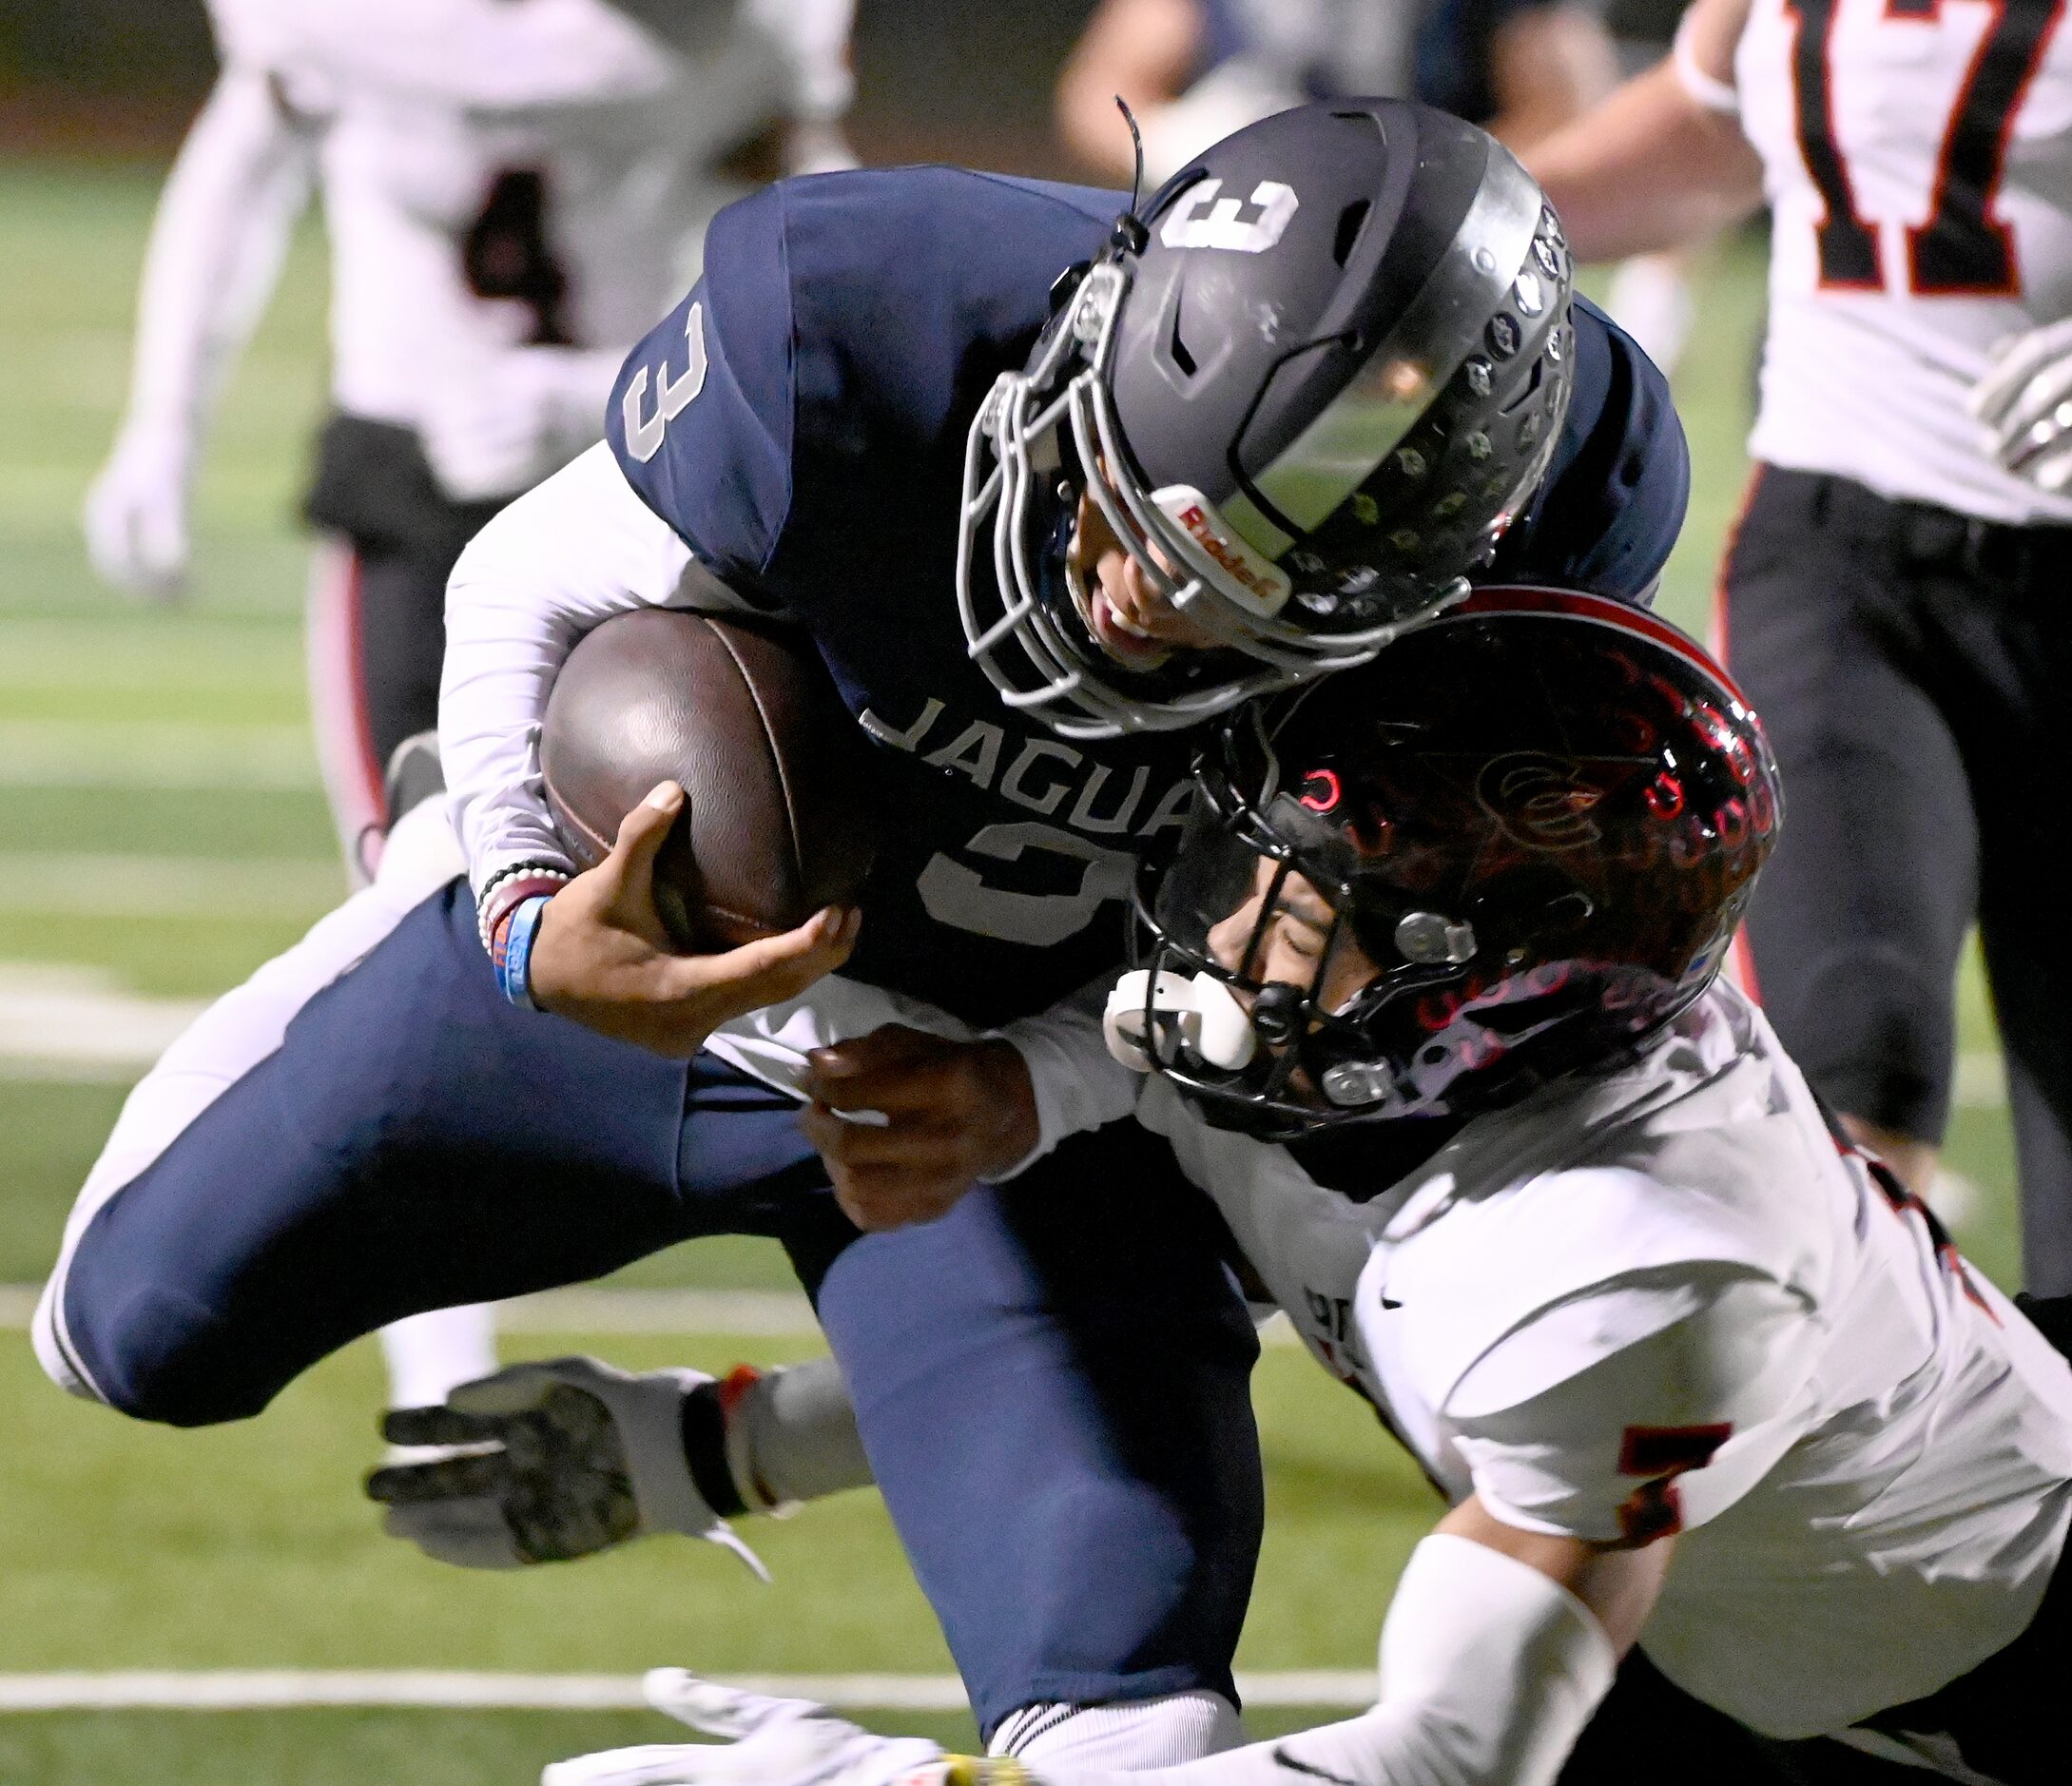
{"points": [[800, 419]]}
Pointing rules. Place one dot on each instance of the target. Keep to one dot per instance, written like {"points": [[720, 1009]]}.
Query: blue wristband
{"points": [[513, 961]]}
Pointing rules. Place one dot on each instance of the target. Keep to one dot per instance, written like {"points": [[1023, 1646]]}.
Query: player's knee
{"points": [[53, 1352], [139, 1348]]}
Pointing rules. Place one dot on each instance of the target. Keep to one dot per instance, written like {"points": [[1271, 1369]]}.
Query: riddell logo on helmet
{"points": [[1262, 581]]}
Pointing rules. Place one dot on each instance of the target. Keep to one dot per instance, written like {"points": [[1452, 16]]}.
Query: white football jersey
{"points": [[1917, 155], [500, 174], [1660, 1299]]}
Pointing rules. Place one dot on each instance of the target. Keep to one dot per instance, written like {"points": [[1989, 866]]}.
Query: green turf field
{"points": [[161, 833]]}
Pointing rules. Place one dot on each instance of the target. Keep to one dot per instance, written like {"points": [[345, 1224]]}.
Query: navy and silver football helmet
{"points": [[1308, 392], [1515, 844]]}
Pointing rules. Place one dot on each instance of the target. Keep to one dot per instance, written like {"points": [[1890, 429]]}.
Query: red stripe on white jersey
{"points": [[1741, 954], [337, 703]]}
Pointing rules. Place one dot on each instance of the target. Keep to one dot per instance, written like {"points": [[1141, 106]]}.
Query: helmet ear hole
{"points": [[1349, 223]]}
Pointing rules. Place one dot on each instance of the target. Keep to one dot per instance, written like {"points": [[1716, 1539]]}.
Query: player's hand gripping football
{"points": [[948, 1114], [771, 1743], [553, 1461], [603, 958], [2025, 402]]}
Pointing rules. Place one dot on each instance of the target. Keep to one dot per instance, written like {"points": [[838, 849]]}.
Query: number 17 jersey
{"points": [[1917, 157]]}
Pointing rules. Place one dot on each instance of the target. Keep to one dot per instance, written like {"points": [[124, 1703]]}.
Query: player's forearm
{"points": [[1551, 66], [564, 558], [1078, 1084], [1489, 1673], [1649, 169], [223, 221]]}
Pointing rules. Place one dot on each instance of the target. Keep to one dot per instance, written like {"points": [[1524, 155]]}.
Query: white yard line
{"points": [[226, 1690], [62, 1021], [122, 887], [88, 754]]}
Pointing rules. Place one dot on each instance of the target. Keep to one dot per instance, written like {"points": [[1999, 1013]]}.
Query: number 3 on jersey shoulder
{"points": [[1962, 249], [672, 395]]}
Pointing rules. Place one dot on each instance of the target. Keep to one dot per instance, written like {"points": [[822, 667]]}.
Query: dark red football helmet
{"points": [[1516, 843]]}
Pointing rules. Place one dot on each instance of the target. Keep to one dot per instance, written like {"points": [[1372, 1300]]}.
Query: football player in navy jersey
{"points": [[1045, 487]]}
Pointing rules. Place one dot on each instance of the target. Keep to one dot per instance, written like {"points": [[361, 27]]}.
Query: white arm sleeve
{"points": [[240, 179], [572, 553], [1489, 1673], [1078, 1083]]}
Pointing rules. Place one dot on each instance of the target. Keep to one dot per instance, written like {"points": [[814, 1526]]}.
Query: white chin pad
{"points": [[1209, 1022]]}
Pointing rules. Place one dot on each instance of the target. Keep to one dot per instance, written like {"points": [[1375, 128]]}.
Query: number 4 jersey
{"points": [[498, 175], [1658, 1299], [1917, 155]]}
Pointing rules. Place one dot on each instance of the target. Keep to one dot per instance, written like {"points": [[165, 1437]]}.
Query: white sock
{"points": [[1126, 1737], [429, 1354], [792, 1437]]}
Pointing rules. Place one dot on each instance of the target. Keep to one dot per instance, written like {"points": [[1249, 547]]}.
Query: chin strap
{"points": [[1200, 1015]]}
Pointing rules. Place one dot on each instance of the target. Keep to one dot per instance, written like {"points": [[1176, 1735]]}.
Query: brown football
{"points": [[776, 820]]}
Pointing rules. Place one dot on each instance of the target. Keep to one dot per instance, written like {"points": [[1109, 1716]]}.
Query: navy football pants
{"points": [[1051, 1383]]}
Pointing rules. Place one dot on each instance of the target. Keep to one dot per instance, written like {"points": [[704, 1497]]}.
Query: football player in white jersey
{"points": [[1431, 1002], [513, 191], [1894, 596]]}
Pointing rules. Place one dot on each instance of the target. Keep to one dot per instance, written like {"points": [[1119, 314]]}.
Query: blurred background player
{"points": [[512, 193], [1651, 294], [1894, 595], [1194, 71]]}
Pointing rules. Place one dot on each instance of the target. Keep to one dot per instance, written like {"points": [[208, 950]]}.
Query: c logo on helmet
{"points": [[1539, 800], [1322, 791]]}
